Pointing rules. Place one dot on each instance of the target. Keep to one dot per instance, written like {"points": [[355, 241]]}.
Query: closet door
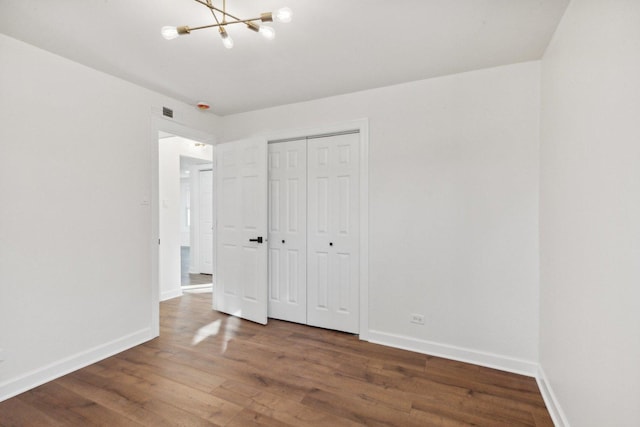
{"points": [[288, 231], [333, 233]]}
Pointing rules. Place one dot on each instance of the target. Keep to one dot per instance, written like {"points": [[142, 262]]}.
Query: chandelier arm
{"points": [[215, 17], [224, 13], [213, 13], [222, 24]]}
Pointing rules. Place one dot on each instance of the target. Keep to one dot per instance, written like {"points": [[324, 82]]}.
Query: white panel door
{"points": [[205, 218], [288, 231], [240, 277], [333, 233]]}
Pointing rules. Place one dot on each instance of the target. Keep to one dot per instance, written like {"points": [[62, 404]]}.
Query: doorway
{"points": [[196, 213], [160, 127], [178, 158]]}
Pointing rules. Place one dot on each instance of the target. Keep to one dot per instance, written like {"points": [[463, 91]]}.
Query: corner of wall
{"points": [[173, 293], [553, 405]]}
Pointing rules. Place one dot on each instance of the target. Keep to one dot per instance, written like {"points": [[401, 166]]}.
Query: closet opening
{"points": [[314, 230]]}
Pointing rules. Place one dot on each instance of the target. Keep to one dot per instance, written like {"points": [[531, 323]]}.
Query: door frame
{"points": [[362, 126], [161, 124]]}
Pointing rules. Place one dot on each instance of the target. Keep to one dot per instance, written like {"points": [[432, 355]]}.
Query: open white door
{"points": [[240, 276]]}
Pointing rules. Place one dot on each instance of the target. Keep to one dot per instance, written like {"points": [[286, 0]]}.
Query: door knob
{"points": [[259, 239]]}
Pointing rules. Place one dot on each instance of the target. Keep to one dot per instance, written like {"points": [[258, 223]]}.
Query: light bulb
{"points": [[169, 33], [226, 40], [284, 15], [267, 32]]}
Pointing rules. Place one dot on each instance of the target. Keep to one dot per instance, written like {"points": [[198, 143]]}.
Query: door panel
{"points": [[333, 233], [343, 262], [240, 280], [287, 231], [321, 269], [344, 207], [293, 270], [322, 204]]}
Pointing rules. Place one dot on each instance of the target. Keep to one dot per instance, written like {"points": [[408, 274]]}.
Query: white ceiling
{"points": [[331, 46]]}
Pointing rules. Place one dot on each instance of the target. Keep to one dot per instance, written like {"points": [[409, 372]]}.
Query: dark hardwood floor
{"points": [[208, 369]]}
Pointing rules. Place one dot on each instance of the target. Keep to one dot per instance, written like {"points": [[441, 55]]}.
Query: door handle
{"points": [[259, 239]]}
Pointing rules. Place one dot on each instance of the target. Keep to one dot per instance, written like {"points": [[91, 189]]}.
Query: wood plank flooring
{"points": [[209, 369]]}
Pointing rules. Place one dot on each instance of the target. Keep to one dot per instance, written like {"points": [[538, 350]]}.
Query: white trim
{"points": [[349, 125], [553, 405], [158, 124], [364, 229], [362, 126], [192, 287], [214, 221], [69, 364], [173, 293], [476, 357]]}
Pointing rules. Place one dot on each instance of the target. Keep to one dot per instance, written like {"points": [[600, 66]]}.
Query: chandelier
{"points": [[223, 18]]}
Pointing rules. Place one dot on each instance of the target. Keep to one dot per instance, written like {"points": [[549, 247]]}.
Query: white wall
{"points": [[170, 150], [75, 233], [590, 214], [453, 208]]}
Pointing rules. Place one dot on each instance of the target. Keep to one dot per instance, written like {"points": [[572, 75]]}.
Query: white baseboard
{"points": [[553, 406], [489, 360], [37, 377], [174, 293]]}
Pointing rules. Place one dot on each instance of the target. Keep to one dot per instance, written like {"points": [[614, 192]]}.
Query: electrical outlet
{"points": [[418, 319]]}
